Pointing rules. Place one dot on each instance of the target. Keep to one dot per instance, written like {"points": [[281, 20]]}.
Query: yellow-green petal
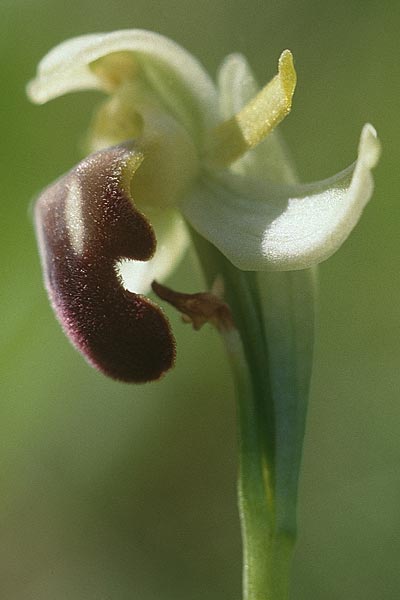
{"points": [[270, 160], [248, 127]]}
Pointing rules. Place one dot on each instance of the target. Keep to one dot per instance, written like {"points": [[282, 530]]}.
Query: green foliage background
{"points": [[117, 492]]}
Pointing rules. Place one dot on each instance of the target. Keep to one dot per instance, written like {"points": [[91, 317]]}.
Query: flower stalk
{"points": [[267, 552], [267, 547]]}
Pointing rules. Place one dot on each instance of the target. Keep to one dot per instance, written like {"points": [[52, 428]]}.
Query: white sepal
{"points": [[176, 76], [263, 226]]}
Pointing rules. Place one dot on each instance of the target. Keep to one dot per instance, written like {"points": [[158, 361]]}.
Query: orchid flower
{"points": [[169, 153], [168, 143]]}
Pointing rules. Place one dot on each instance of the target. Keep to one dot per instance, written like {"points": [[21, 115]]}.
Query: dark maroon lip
{"points": [[86, 222]]}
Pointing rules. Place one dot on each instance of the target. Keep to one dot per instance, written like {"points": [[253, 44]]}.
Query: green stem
{"points": [[267, 551]]}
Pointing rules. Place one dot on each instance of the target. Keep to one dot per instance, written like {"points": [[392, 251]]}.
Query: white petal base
{"points": [[172, 241]]}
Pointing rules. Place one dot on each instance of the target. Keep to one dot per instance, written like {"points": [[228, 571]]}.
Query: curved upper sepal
{"points": [[261, 226], [176, 76], [86, 223]]}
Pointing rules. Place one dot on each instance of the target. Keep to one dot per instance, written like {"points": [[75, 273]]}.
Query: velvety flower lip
{"points": [[86, 222]]}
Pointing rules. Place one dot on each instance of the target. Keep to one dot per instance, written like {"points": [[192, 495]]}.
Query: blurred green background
{"points": [[117, 492]]}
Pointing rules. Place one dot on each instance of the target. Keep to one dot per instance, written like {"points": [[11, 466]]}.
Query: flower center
{"points": [[170, 162]]}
